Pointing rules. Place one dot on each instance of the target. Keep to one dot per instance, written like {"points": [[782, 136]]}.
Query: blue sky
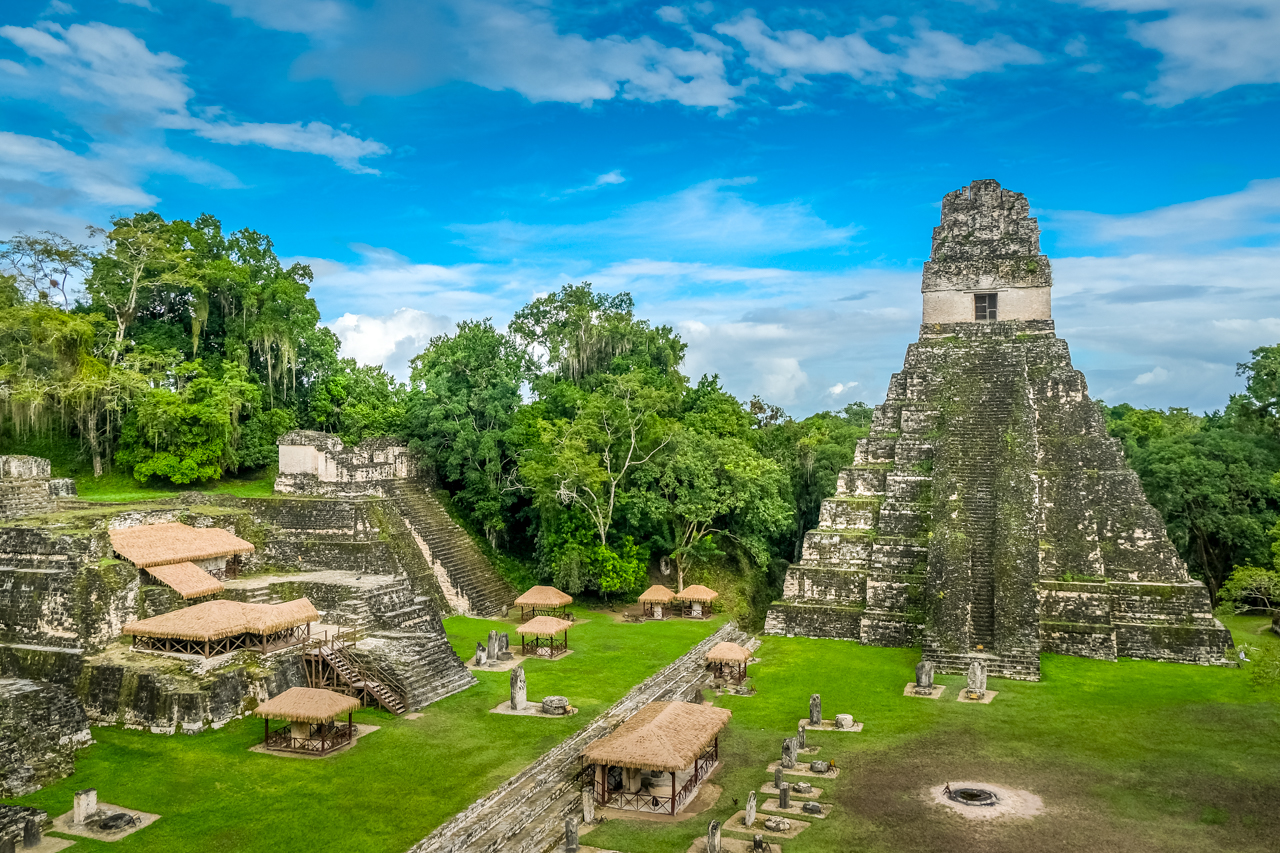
{"points": [[762, 177]]}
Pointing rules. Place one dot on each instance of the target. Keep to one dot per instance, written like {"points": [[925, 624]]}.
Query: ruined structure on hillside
{"points": [[989, 515], [27, 488], [318, 463]]}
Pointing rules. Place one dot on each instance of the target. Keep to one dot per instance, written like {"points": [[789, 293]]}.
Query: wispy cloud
{"points": [[110, 69], [1208, 46], [707, 219]]}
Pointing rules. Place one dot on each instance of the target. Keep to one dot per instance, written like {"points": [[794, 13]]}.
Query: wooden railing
{"points": [[330, 737], [365, 677]]}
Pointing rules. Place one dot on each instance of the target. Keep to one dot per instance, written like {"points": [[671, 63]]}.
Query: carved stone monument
{"points": [[800, 730], [924, 678], [789, 753], [519, 692], [815, 710], [757, 843], [570, 835], [713, 837], [784, 795], [556, 706], [777, 776], [504, 646], [977, 681], [750, 819], [844, 722], [589, 804], [492, 647], [811, 808], [85, 806], [482, 654]]}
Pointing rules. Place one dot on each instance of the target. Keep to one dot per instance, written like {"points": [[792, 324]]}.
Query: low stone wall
{"points": [[41, 727], [162, 694]]}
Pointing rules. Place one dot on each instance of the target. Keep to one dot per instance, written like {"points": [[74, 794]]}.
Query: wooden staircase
{"points": [[330, 665]]}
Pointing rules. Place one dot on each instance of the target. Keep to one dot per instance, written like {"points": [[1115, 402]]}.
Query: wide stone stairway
{"points": [[471, 584]]}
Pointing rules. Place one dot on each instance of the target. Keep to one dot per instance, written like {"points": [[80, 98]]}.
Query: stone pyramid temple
{"points": [[989, 516]]}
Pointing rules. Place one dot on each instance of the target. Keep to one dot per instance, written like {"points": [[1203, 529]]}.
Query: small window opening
{"points": [[984, 306]]}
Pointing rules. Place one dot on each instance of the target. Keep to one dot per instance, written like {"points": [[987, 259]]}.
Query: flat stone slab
{"points": [[767, 788], [985, 700], [936, 692], [63, 824], [361, 731], [830, 726], [532, 708], [802, 770], [736, 824], [772, 807], [48, 844], [728, 845], [507, 665]]}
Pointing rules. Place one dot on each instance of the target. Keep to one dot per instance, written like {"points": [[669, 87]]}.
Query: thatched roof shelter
{"points": [[214, 620], [150, 545], [728, 653], [698, 593], [665, 736], [544, 626], [188, 579], [307, 705], [656, 594], [544, 596]]}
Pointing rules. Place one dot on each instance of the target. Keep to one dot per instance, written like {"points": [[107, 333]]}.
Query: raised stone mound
{"points": [[989, 515], [423, 666], [41, 727]]}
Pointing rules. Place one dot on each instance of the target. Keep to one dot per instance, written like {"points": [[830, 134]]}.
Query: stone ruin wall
{"points": [[317, 463], [989, 507], [41, 727], [27, 487]]}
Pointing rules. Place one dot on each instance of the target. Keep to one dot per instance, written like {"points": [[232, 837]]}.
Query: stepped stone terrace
{"points": [[989, 515]]}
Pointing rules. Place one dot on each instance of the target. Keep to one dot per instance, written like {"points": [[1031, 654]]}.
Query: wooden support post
{"points": [[673, 793]]}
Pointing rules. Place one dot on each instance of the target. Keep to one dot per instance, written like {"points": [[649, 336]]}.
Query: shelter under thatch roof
{"points": [[307, 705], [214, 620], [663, 736], [698, 593], [543, 626], [150, 545], [188, 579], [544, 596], [545, 601], [728, 653], [657, 594]]}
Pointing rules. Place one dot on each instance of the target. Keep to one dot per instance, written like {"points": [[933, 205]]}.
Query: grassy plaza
{"points": [[393, 787]]}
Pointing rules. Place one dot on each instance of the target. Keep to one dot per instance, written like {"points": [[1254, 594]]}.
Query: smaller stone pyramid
{"points": [[989, 516]]}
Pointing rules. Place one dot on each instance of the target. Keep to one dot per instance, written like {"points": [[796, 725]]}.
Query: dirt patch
{"points": [[1009, 804]]}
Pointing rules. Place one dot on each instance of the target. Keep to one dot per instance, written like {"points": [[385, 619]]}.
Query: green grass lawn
{"points": [[119, 487], [393, 788], [1127, 756]]}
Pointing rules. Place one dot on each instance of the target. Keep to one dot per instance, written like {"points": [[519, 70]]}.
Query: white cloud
{"points": [[607, 179], [60, 7], [1208, 46], [141, 4], [1153, 376], [109, 67], [28, 159], [391, 340], [925, 58], [1250, 214], [841, 387], [395, 47], [706, 219]]}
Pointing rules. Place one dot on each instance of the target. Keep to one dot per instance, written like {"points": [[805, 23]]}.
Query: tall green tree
{"points": [[463, 401], [45, 262]]}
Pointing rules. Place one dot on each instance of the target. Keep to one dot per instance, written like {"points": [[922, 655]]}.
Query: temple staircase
{"points": [[471, 584]]}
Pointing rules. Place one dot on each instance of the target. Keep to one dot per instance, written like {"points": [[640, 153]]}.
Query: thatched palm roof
{"points": [[666, 736], [214, 620], [150, 545], [188, 579], [656, 594], [728, 653], [697, 592], [544, 626], [307, 705], [544, 596]]}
